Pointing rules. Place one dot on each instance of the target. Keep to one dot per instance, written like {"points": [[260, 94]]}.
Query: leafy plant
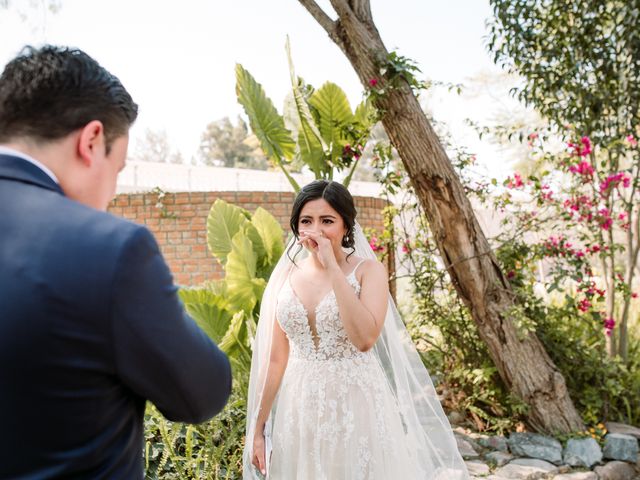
{"points": [[248, 246], [318, 130]]}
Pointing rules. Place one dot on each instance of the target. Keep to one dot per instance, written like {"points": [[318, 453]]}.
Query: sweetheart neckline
{"points": [[322, 299]]}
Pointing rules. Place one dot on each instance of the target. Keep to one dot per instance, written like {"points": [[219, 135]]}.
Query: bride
{"points": [[337, 389]]}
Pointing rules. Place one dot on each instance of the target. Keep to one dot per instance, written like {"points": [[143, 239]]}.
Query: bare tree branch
{"points": [[322, 18]]}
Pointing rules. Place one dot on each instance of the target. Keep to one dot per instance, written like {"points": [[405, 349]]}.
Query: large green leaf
{"points": [[311, 146], [235, 342], [266, 123], [243, 287], [207, 309], [258, 243], [223, 222], [364, 115], [334, 110], [271, 234]]}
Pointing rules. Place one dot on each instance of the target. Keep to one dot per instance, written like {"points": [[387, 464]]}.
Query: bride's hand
{"points": [[258, 458], [320, 245]]}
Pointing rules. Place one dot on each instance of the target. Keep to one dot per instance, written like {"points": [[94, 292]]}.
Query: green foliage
{"points": [[209, 451], [275, 139], [579, 60], [323, 132], [603, 388], [248, 246]]}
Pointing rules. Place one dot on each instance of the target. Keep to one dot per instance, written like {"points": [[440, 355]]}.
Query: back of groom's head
{"points": [[47, 93]]}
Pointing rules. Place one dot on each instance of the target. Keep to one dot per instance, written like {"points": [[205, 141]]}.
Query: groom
{"points": [[90, 323]]}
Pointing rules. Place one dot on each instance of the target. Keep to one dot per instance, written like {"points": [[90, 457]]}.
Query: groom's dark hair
{"points": [[47, 93]]}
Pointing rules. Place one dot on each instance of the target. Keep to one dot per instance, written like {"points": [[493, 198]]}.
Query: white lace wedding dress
{"points": [[335, 416]]}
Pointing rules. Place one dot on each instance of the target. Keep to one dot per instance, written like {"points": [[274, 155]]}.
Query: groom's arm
{"points": [[160, 353]]}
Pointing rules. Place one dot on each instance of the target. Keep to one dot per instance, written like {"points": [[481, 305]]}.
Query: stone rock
{"points": [[477, 468], [465, 447], [535, 445], [621, 447], [524, 468], [456, 418], [494, 442], [616, 471], [498, 458], [582, 452], [577, 476], [624, 429]]}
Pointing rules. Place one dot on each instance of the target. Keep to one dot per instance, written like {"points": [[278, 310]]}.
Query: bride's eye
{"points": [[326, 220], [304, 222]]}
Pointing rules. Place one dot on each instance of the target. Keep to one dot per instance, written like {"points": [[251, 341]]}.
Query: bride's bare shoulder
{"points": [[369, 267]]}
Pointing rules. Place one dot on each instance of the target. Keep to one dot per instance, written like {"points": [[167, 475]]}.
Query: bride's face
{"points": [[319, 217]]}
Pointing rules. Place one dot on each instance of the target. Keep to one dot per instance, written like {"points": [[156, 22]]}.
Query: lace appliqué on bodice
{"points": [[332, 339]]}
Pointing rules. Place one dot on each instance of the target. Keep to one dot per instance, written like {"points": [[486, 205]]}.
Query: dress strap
{"points": [[353, 272]]}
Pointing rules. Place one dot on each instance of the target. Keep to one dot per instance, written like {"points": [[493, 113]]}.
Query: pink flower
{"points": [[581, 149], [605, 219], [373, 82], [533, 136], [634, 295], [516, 182], [609, 324], [613, 180], [406, 247], [632, 141], [584, 305], [582, 168]]}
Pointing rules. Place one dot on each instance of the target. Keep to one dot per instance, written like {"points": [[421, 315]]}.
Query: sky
{"points": [[177, 59]]}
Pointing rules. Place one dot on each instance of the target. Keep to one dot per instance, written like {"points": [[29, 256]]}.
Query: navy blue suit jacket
{"points": [[90, 328]]}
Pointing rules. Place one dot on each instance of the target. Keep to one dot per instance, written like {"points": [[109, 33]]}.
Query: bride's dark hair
{"points": [[336, 195]]}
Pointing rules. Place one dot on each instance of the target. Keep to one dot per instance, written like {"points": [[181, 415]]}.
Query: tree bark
{"points": [[522, 362]]}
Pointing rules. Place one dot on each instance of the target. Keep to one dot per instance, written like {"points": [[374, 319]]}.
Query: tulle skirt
{"points": [[338, 420]]}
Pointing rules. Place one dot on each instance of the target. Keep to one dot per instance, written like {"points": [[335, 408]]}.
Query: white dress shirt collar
{"points": [[24, 156]]}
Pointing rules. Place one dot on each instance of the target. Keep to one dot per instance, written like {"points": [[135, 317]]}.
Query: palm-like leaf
{"points": [[243, 286], [334, 110], [207, 309], [311, 146], [271, 234], [223, 222], [266, 123]]}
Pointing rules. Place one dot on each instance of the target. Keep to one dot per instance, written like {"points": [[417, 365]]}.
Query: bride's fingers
{"points": [[260, 463]]}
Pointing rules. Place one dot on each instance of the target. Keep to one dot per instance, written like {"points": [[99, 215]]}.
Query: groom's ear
{"points": [[91, 142]]}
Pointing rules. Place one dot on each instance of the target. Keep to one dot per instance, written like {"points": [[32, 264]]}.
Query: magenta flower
{"points": [[581, 149], [516, 182], [582, 168], [584, 305], [614, 180], [609, 324], [373, 82], [632, 141]]}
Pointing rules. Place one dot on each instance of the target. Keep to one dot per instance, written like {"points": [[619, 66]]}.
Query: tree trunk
{"points": [[522, 363]]}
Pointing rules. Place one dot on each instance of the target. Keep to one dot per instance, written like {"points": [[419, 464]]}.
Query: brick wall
{"points": [[179, 225]]}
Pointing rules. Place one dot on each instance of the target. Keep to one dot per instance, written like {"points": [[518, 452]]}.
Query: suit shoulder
{"points": [[103, 227]]}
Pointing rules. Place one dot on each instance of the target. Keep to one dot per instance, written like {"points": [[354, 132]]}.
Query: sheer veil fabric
{"points": [[427, 430]]}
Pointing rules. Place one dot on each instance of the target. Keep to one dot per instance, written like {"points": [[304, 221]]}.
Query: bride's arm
{"points": [[275, 371], [362, 318]]}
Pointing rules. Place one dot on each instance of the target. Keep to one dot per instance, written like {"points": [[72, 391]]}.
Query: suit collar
{"points": [[20, 170]]}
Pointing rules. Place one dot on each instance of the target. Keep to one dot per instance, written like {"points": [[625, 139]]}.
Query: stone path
{"points": [[530, 456]]}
